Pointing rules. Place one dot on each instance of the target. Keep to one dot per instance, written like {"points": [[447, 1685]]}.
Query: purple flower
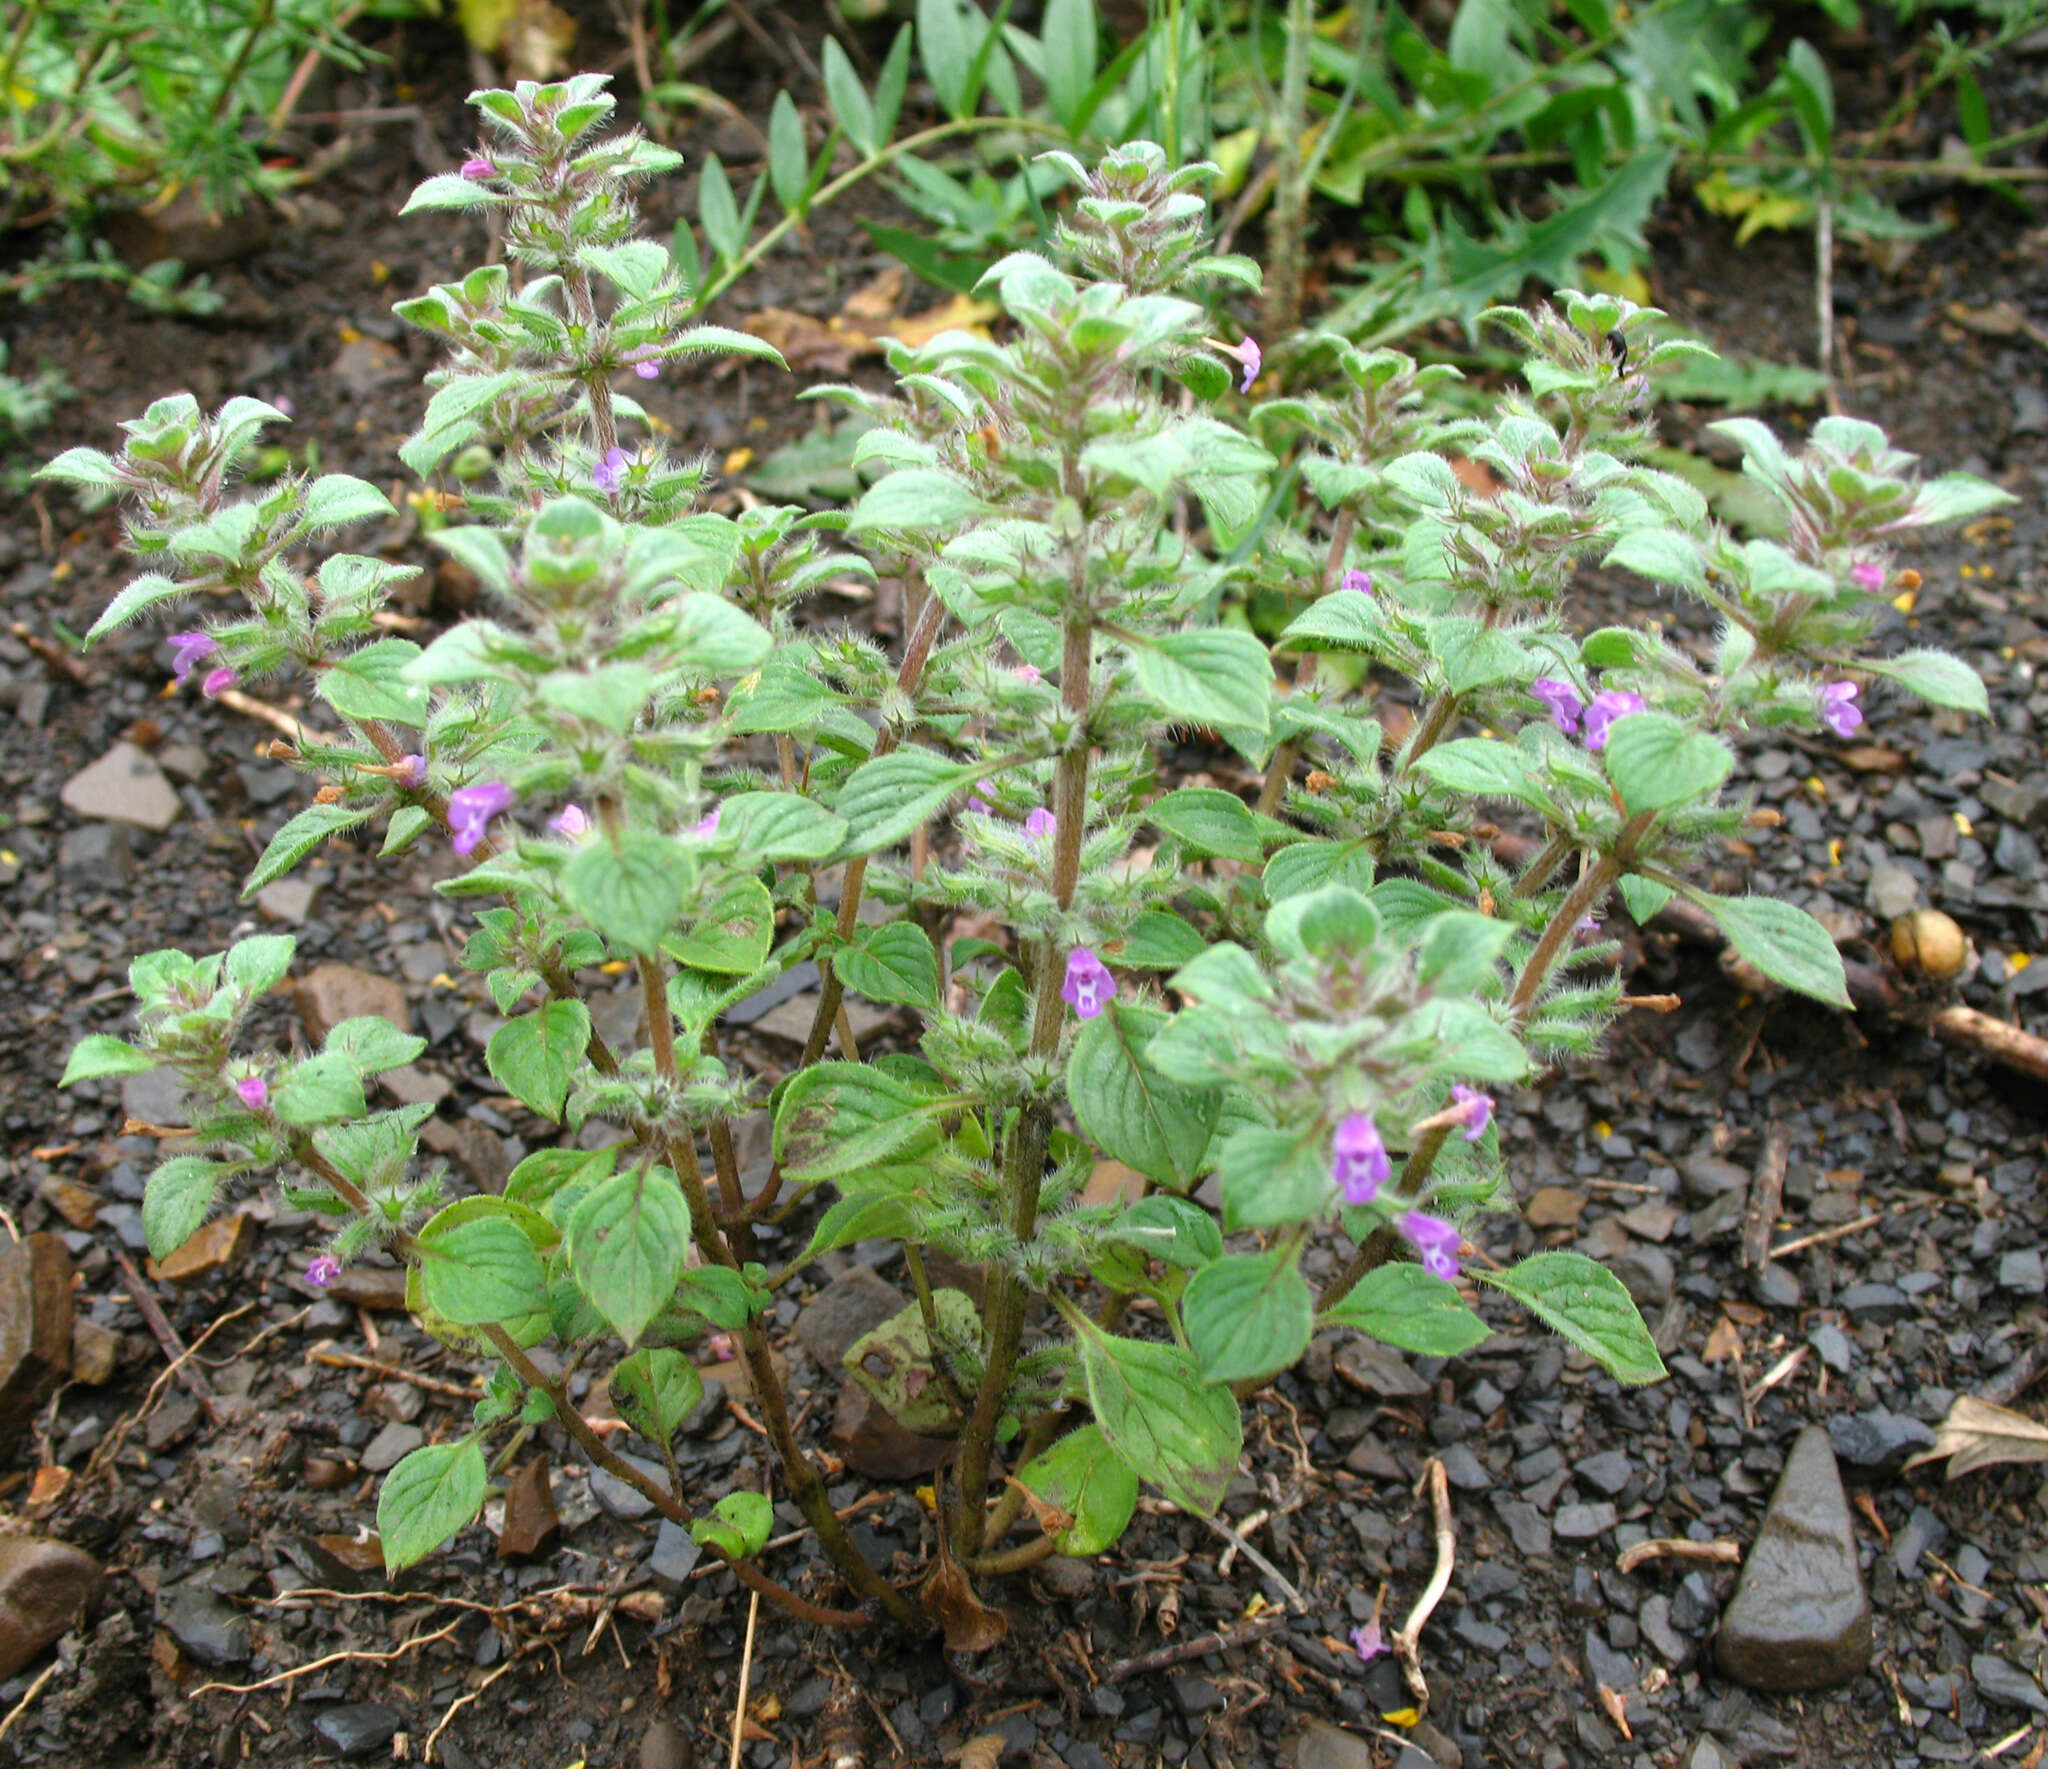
{"points": [[253, 1091], [217, 682], [411, 772], [1477, 1107], [189, 651], [471, 808], [323, 1271], [981, 807], [1040, 822], [1435, 1239], [1366, 1642], [706, 826], [1358, 1159], [1089, 986], [1588, 924], [1608, 705], [1361, 581], [476, 169], [610, 473], [1249, 355], [645, 363], [1838, 709], [1868, 576], [1563, 701], [284, 403], [570, 824], [1030, 672]]}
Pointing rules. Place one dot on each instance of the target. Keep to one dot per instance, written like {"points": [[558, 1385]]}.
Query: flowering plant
{"points": [[650, 763]]}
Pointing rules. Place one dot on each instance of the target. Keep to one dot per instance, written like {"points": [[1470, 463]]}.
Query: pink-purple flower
{"points": [[1367, 1642], [1608, 705], [1477, 1108], [188, 652], [570, 823], [1358, 1159], [1562, 700], [217, 682], [1868, 576], [476, 168], [1030, 672], [1250, 357], [645, 362], [981, 807], [253, 1091], [706, 826], [610, 473], [1435, 1239], [1089, 987], [1358, 581], [471, 808], [323, 1270], [411, 772], [1040, 822], [1838, 709]]}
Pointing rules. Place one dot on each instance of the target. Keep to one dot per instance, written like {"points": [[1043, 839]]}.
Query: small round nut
{"points": [[1930, 943]]}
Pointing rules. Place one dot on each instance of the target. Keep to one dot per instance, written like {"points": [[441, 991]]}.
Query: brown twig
{"points": [[739, 1707], [325, 1353], [29, 1696], [463, 1701], [174, 1350], [1221, 1640], [1766, 1194], [1820, 1236], [1407, 1643], [1279, 1579], [333, 1658], [1677, 1548]]}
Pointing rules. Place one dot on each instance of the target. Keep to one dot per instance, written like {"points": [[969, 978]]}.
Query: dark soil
{"points": [[1553, 1468]]}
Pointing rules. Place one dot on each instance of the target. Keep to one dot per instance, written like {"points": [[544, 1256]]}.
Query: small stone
{"points": [[78, 1204], [1526, 1525], [2021, 1271], [1799, 1619], [288, 900], [357, 1728], [2005, 1683], [1608, 1472], [1581, 1523], [675, 1553], [1708, 1754], [620, 1499], [186, 762], [1706, 1177], [123, 786], [95, 1352], [1877, 1441], [1876, 1304], [1651, 1221], [173, 1421], [530, 1520], [217, 1248], [1322, 1746], [664, 1745], [1837, 1350], [845, 1311], [332, 993], [205, 1625], [35, 1330], [1196, 1695], [370, 1286], [1776, 1287], [391, 1446], [44, 1587], [97, 856], [1892, 891], [1378, 1370], [1648, 1274], [1065, 1578], [1553, 1206]]}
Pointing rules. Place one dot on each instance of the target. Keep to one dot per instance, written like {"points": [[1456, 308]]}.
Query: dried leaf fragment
{"points": [[1977, 1434]]}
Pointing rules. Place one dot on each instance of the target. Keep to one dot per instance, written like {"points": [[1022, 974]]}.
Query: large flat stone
{"points": [[123, 786], [35, 1330], [44, 1587], [1799, 1619], [332, 993]]}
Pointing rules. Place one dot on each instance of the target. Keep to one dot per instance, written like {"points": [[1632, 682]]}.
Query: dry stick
{"points": [[1281, 1583], [463, 1701], [2006, 1043], [739, 1708], [1677, 1548], [1222, 1640], [333, 1658], [1407, 1643], [1767, 1193], [326, 1353], [174, 1350], [1820, 1236], [29, 1696]]}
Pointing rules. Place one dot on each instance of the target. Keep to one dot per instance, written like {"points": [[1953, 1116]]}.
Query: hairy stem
{"points": [[1281, 768]]}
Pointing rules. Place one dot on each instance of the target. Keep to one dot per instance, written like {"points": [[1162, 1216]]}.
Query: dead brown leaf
{"points": [[1723, 1342], [970, 1625], [984, 1752], [1977, 1434]]}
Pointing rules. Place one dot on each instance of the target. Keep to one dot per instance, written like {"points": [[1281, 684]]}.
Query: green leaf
{"points": [[1218, 676], [534, 1056], [1782, 941], [834, 1119], [1404, 1306], [892, 1216], [789, 162], [297, 839], [732, 935], [1644, 896], [336, 499], [717, 210], [1655, 762], [427, 1498], [894, 962], [1938, 678], [1272, 1178], [1484, 767], [947, 54], [1163, 1420], [1081, 1476], [884, 799], [1130, 1110], [1248, 1315], [1587, 1303], [144, 593], [1305, 866], [1159, 941], [738, 1525], [98, 1055], [449, 190], [480, 1272], [720, 1295], [1070, 36], [849, 100], [780, 826], [915, 500], [1169, 1228], [1209, 820], [324, 1089], [257, 966], [1660, 555], [655, 1390], [547, 1171], [631, 895], [626, 1245], [371, 1044], [177, 1200]]}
